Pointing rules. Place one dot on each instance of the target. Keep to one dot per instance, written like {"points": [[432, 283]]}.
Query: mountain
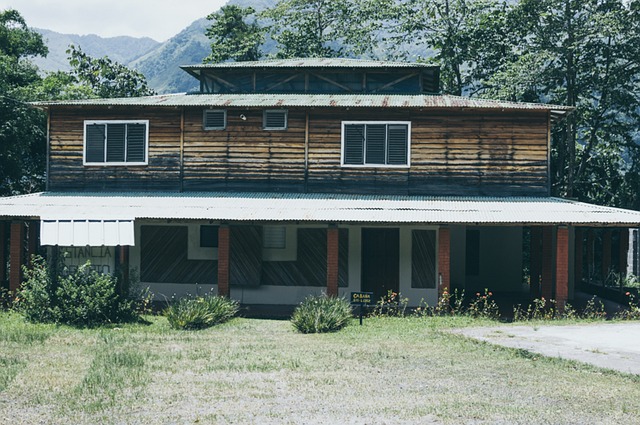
{"points": [[122, 49]]}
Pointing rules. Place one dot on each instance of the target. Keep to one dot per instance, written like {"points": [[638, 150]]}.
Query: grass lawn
{"points": [[260, 371]]}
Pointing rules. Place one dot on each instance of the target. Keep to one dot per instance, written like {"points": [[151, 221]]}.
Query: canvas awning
{"points": [[86, 232]]}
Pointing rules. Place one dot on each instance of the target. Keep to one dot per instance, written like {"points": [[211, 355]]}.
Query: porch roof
{"points": [[314, 208]]}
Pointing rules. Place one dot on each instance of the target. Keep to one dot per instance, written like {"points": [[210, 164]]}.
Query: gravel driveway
{"points": [[608, 345]]}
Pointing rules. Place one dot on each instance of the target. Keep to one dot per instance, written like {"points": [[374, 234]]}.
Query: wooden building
{"points": [[284, 178]]}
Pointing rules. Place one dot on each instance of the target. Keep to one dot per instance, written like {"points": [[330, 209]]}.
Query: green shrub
{"points": [[88, 298], [318, 314], [83, 298], [200, 312]]}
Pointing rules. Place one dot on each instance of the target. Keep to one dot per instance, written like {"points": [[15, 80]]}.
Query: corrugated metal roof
{"points": [[311, 100], [317, 208], [312, 63]]}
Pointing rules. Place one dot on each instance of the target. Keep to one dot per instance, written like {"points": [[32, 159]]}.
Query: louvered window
{"points": [[215, 119], [116, 142], [375, 143], [275, 119]]}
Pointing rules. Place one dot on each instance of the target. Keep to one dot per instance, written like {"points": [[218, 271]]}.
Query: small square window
{"points": [[214, 119], [274, 237], [208, 236], [275, 119]]}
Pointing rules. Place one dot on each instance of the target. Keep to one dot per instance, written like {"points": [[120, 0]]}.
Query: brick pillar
{"points": [[123, 264], [562, 267], [546, 284], [624, 252], [3, 253], [535, 258], [223, 260], [590, 255], [579, 239], [606, 254], [32, 239], [444, 260], [333, 237], [16, 252]]}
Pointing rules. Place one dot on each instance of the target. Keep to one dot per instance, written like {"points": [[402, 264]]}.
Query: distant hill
{"points": [[122, 49]]}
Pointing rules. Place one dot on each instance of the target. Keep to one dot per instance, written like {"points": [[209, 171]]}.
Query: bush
{"points": [[200, 312], [84, 298], [318, 314]]}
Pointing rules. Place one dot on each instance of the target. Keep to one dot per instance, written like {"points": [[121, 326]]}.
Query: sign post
{"points": [[361, 299]]}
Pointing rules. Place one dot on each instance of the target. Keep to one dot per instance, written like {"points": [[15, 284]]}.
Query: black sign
{"points": [[362, 298]]}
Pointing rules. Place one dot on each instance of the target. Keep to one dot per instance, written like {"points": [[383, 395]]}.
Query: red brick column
{"points": [[333, 237], [535, 258], [16, 252], [606, 254], [123, 260], [590, 255], [3, 252], [444, 260], [579, 239], [223, 260], [562, 267], [624, 251], [546, 285]]}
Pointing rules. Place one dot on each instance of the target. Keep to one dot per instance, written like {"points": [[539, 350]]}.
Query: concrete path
{"points": [[608, 345]]}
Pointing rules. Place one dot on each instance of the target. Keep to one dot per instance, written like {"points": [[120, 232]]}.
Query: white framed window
{"points": [[214, 119], [376, 144], [116, 142], [275, 119]]}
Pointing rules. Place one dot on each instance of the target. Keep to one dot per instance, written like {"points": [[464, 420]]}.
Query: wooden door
{"points": [[380, 261]]}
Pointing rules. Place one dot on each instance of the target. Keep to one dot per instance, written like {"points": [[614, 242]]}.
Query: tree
{"points": [[235, 34], [22, 134], [325, 28], [105, 77]]}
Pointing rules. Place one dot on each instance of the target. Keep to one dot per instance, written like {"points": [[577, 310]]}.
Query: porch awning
{"points": [[86, 232], [80, 210]]}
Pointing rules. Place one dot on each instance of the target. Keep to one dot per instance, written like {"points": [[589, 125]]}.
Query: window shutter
{"points": [[215, 119], [275, 120], [95, 135], [115, 142], [274, 237], [354, 144], [376, 134], [397, 145], [136, 142]]}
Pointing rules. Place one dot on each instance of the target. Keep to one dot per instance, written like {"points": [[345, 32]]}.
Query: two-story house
{"points": [[285, 178]]}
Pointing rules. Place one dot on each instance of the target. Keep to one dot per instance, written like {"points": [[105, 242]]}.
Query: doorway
{"points": [[380, 261]]}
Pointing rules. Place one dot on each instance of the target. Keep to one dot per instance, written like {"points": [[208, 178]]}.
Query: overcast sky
{"points": [[158, 19]]}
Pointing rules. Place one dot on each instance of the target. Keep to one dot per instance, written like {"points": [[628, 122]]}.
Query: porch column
{"points": [[444, 260], [333, 236], [123, 263], [32, 240], [578, 255], [562, 267], [3, 253], [535, 259], [546, 284], [223, 260], [16, 252], [624, 252], [606, 254], [590, 255]]}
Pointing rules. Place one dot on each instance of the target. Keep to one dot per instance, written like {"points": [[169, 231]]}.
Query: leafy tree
{"points": [[105, 77], [22, 135], [235, 35], [325, 28]]}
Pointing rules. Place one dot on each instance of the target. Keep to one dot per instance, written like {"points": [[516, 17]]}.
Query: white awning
{"points": [[86, 232]]}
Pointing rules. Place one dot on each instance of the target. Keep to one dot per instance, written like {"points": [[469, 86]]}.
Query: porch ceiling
{"points": [[317, 208]]}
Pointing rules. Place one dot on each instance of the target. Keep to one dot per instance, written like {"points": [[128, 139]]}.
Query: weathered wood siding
{"points": [[67, 172], [453, 152]]}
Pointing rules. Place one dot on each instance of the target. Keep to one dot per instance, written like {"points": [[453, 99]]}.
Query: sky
{"points": [[158, 19]]}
